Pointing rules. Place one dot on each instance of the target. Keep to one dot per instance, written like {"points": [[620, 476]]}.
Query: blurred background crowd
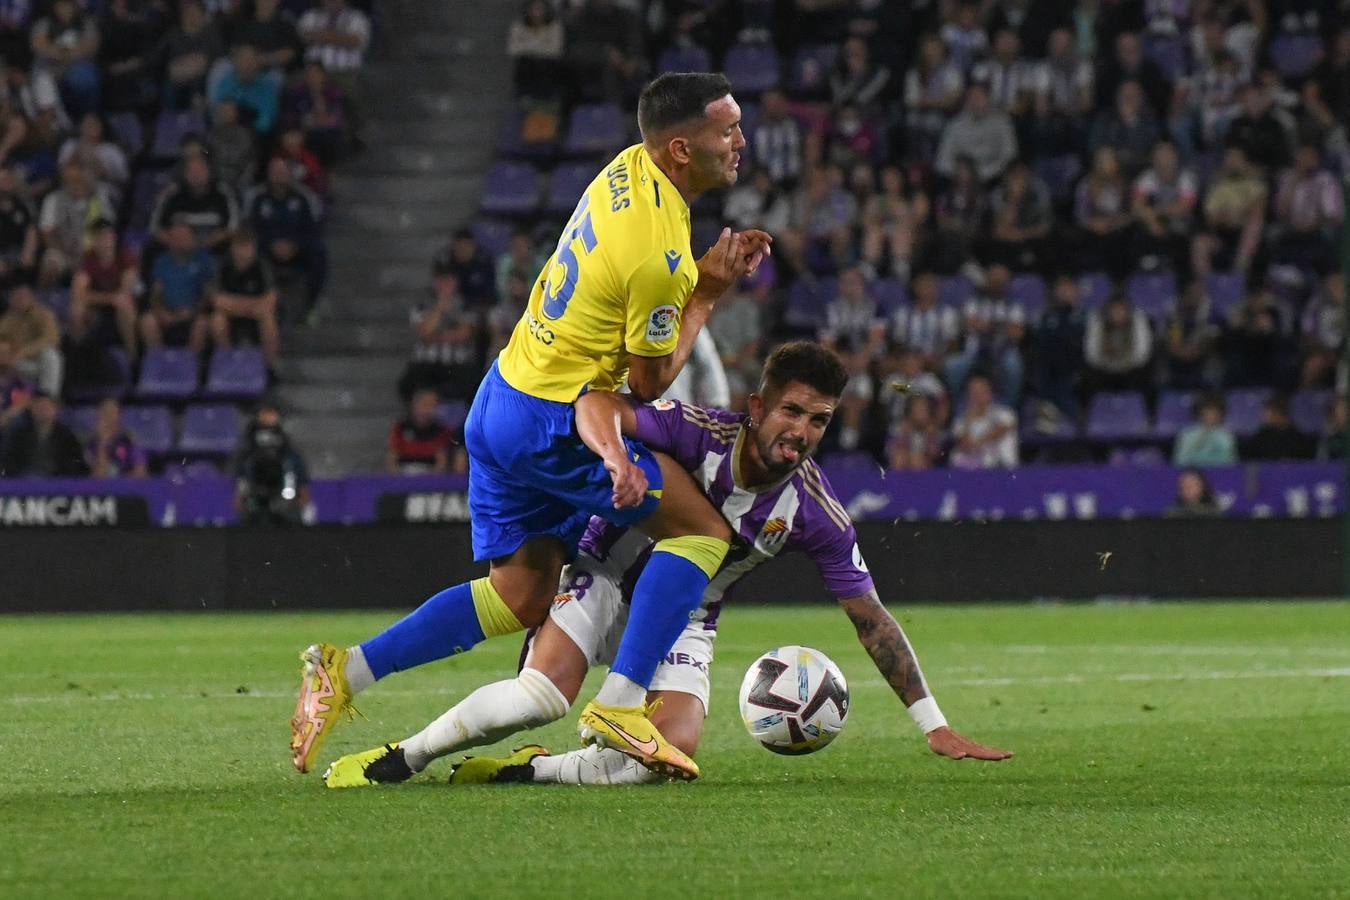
{"points": [[1037, 230]]}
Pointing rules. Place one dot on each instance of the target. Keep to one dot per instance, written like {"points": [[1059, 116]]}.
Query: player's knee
{"points": [[545, 703]]}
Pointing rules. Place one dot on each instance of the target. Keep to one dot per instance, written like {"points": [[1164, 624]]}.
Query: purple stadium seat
{"points": [[1174, 413], [692, 58], [1118, 417], [512, 145], [890, 294], [1295, 55], [170, 129], [1060, 174], [209, 430], [151, 426], [79, 419], [807, 301], [180, 472], [1028, 292], [58, 301], [125, 128], [1309, 410], [511, 188], [1144, 457], [565, 188], [493, 235], [168, 373], [752, 68], [596, 129], [1225, 291], [239, 374], [1042, 422], [1244, 410], [1153, 292], [809, 76], [113, 379], [1094, 289], [1168, 53], [955, 291], [451, 414]]}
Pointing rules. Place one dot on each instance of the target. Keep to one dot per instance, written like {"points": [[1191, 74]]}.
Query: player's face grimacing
{"points": [[715, 148], [789, 425]]}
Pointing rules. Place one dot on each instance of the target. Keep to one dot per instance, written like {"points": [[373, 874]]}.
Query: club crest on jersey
{"points": [[663, 404], [672, 260], [775, 530], [661, 323]]}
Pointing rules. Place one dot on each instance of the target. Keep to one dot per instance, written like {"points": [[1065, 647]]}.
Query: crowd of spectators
{"points": [[163, 184], [1018, 220]]}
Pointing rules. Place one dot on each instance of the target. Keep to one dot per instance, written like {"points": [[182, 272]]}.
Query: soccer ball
{"points": [[794, 700]]}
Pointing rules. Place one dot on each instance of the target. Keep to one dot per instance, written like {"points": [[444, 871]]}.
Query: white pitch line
{"points": [[1164, 650], [1128, 677]]}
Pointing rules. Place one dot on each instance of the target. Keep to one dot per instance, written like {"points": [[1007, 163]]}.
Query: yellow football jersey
{"points": [[615, 285]]}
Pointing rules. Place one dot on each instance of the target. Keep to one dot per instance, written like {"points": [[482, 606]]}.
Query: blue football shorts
{"points": [[530, 475]]}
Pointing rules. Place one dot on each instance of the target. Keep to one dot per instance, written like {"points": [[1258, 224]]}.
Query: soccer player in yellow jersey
{"points": [[620, 298]]}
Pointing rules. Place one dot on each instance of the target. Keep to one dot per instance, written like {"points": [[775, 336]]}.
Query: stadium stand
{"points": [[1167, 202]]}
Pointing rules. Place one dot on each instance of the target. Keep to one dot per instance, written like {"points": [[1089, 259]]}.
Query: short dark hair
{"points": [[678, 97], [807, 362]]}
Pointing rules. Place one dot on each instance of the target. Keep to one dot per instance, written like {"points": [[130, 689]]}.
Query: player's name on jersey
{"points": [[423, 507], [64, 511]]}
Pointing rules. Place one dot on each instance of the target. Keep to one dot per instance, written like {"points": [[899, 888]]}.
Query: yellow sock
{"points": [[494, 616], [705, 552]]}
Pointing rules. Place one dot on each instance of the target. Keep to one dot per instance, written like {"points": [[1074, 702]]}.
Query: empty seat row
{"points": [[205, 430], [173, 373], [1124, 416]]}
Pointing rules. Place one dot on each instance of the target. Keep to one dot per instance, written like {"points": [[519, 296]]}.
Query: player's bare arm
{"points": [[735, 255], [602, 418], [886, 643]]}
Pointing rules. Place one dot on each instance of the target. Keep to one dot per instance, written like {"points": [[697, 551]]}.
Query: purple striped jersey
{"points": [[800, 512]]}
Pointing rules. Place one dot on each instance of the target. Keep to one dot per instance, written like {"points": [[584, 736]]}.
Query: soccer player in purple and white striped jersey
{"points": [[758, 471]]}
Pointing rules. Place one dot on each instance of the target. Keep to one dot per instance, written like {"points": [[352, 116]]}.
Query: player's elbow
{"points": [[648, 381]]}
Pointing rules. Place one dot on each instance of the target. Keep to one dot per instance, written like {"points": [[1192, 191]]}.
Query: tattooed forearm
{"points": [[886, 643]]}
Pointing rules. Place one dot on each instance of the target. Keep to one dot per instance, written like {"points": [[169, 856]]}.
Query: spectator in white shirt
{"points": [[1309, 209], [777, 140], [1323, 328], [933, 90], [980, 132], [994, 329], [855, 331], [1163, 202], [985, 433], [1117, 346], [923, 326]]}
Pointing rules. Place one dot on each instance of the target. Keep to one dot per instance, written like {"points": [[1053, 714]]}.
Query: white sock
{"points": [[591, 765], [620, 690], [359, 676], [489, 714]]}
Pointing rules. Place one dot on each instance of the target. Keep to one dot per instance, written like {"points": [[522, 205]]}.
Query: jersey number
{"points": [[566, 267]]}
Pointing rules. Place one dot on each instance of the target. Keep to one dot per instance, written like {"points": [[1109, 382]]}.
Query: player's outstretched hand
{"points": [[945, 742], [758, 244], [719, 268], [630, 482]]}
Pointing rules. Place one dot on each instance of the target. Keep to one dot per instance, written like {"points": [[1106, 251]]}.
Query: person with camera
{"points": [[271, 478]]}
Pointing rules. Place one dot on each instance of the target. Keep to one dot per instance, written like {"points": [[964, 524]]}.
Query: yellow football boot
{"points": [[629, 730], [383, 765], [498, 770], [324, 697]]}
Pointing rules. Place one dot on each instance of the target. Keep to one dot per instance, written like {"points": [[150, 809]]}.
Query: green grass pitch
{"points": [[1163, 750]]}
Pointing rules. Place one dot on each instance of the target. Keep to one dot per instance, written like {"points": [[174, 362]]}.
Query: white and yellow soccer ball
{"points": [[794, 700]]}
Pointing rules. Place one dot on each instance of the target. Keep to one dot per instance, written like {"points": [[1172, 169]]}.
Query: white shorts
{"points": [[591, 611]]}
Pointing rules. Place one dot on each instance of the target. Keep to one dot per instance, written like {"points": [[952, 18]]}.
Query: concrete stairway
{"points": [[436, 89]]}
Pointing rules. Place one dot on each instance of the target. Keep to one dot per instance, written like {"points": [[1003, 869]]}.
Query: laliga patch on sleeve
{"points": [[858, 559], [661, 324]]}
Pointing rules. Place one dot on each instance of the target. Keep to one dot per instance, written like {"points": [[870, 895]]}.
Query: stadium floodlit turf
{"points": [[1171, 750]]}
